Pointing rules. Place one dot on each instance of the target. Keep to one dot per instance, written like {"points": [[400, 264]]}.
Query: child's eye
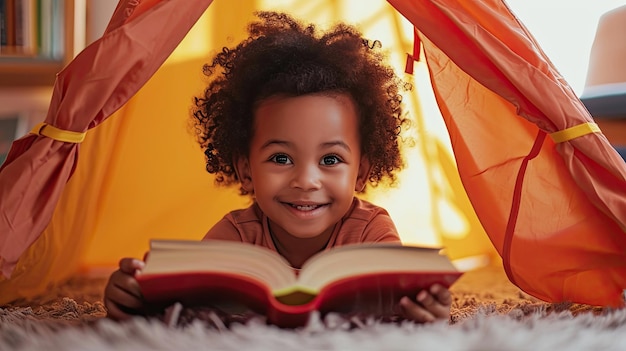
{"points": [[281, 159], [330, 160]]}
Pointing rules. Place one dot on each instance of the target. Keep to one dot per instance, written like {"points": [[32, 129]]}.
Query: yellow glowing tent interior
{"points": [[547, 187]]}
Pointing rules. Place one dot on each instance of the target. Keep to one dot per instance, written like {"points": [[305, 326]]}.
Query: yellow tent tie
{"points": [[574, 132], [52, 132]]}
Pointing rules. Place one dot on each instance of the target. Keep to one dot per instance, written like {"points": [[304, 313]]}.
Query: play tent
{"points": [[545, 184]]}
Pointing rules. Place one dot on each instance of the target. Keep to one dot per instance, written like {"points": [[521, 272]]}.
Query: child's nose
{"points": [[307, 177]]}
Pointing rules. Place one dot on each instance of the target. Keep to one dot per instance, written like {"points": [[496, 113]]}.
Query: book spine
{"points": [[18, 21], [291, 316], [3, 25], [58, 30], [9, 16], [45, 29], [25, 20], [38, 32], [30, 27]]}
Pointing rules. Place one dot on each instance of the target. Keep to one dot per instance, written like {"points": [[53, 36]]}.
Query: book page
{"points": [[352, 260], [178, 256]]}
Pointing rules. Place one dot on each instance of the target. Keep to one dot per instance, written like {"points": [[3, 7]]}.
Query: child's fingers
{"points": [[123, 282], [431, 303], [441, 294], [114, 312], [130, 265], [122, 295], [129, 293], [123, 287], [120, 303], [416, 312]]}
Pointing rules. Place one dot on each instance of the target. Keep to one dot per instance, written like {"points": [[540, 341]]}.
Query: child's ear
{"points": [[242, 168], [364, 174]]}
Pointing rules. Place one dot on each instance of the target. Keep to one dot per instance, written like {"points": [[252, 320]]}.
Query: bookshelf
{"points": [[37, 41], [20, 110], [27, 76], [31, 58]]}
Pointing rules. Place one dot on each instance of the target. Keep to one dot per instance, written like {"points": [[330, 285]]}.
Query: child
{"points": [[300, 122]]}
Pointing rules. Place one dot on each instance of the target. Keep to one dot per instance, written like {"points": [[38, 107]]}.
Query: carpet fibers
{"points": [[488, 313]]}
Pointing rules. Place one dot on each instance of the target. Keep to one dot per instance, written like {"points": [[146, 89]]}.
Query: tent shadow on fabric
{"points": [[500, 99]]}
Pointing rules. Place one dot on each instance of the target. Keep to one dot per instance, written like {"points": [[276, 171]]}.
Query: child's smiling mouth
{"points": [[305, 207]]}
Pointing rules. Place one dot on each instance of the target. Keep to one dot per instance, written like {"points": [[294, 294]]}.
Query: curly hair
{"points": [[283, 57]]}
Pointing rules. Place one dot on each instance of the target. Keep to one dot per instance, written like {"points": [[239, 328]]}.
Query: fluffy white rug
{"points": [[486, 330]]}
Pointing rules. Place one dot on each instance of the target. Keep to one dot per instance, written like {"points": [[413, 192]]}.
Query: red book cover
{"points": [[361, 278], [375, 293]]}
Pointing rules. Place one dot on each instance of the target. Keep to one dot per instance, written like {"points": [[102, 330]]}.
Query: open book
{"points": [[341, 279]]}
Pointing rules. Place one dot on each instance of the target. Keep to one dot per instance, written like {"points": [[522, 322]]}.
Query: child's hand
{"points": [[428, 306], [122, 296]]}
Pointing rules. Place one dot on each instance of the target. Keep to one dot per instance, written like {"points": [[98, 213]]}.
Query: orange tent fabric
{"points": [[554, 211]]}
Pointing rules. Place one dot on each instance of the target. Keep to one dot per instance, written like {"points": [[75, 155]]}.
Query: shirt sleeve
{"points": [[223, 230], [381, 229]]}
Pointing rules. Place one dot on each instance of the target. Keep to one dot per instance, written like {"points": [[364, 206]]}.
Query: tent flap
{"points": [[93, 86], [555, 212]]}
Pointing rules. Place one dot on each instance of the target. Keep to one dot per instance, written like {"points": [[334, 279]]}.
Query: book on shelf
{"points": [[368, 277], [32, 29]]}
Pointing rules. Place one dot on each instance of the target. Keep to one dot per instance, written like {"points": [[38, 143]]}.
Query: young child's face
{"points": [[305, 162]]}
